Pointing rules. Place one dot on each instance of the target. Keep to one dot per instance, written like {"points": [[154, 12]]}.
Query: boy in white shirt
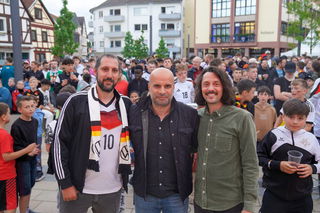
{"points": [[183, 88]]}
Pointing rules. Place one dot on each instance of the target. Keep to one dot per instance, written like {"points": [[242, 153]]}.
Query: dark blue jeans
{"points": [[151, 204]]}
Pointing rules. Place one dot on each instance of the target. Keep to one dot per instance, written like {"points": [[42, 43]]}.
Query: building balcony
{"points": [[113, 50], [114, 34], [90, 24], [174, 49], [113, 18], [170, 17], [243, 38], [169, 33]]}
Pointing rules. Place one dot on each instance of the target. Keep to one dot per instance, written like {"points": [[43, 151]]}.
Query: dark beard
{"points": [[103, 88]]}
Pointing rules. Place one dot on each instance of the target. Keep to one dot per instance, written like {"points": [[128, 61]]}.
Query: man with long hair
{"points": [[227, 172]]}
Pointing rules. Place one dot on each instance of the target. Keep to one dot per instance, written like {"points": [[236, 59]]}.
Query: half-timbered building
{"points": [[42, 28], [6, 31]]}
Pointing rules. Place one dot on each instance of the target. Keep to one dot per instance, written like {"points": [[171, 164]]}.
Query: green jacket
{"points": [[227, 172]]}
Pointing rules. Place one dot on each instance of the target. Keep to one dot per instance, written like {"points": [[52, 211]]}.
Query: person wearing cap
{"points": [[282, 88], [253, 61], [268, 57], [310, 81], [26, 67]]}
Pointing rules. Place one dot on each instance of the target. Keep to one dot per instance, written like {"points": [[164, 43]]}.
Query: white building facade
{"points": [[156, 19]]}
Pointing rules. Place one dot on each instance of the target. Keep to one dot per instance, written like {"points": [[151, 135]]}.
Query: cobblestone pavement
{"points": [[44, 193]]}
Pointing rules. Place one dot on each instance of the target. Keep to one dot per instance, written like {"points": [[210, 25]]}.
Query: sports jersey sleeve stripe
{"points": [[57, 148]]}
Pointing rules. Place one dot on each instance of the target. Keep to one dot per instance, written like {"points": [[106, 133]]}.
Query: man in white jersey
{"points": [[91, 147], [183, 87]]}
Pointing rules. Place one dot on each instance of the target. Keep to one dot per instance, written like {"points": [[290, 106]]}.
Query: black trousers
{"points": [[273, 204], [237, 209]]}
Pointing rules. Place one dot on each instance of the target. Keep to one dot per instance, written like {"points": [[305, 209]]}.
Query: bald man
{"points": [[164, 136]]}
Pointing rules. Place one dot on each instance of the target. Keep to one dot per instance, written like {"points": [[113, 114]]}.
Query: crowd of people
{"points": [[165, 119]]}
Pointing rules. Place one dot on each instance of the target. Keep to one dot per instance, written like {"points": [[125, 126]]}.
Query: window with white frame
{"points": [[115, 12], [5, 1], [100, 29], [3, 27], [245, 7], [116, 43], [38, 13], [139, 27], [117, 28], [140, 11], [167, 26], [100, 14], [144, 27], [101, 43], [33, 35], [221, 8]]}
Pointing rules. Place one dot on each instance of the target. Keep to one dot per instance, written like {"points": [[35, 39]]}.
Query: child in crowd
{"points": [[134, 97], [138, 84], [44, 97], [24, 133], [11, 85], [18, 92], [39, 116], [264, 114], [246, 90], [183, 87], [85, 82], [33, 83], [289, 184], [299, 89], [8, 189], [310, 82]]}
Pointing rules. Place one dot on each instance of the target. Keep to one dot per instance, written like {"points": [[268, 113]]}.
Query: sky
{"points": [[81, 8]]}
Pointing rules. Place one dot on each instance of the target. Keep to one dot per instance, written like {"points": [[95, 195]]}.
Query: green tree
{"points": [[307, 19], [140, 49], [162, 50], [128, 46], [64, 33]]}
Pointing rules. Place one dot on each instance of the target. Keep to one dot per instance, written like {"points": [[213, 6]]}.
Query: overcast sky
{"points": [[80, 7]]}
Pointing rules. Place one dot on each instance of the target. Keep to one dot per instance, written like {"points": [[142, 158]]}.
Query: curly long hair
{"points": [[228, 95]]}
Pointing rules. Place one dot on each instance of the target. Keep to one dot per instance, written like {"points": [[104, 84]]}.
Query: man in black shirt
{"points": [[164, 137], [35, 71], [282, 86], [69, 76]]}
